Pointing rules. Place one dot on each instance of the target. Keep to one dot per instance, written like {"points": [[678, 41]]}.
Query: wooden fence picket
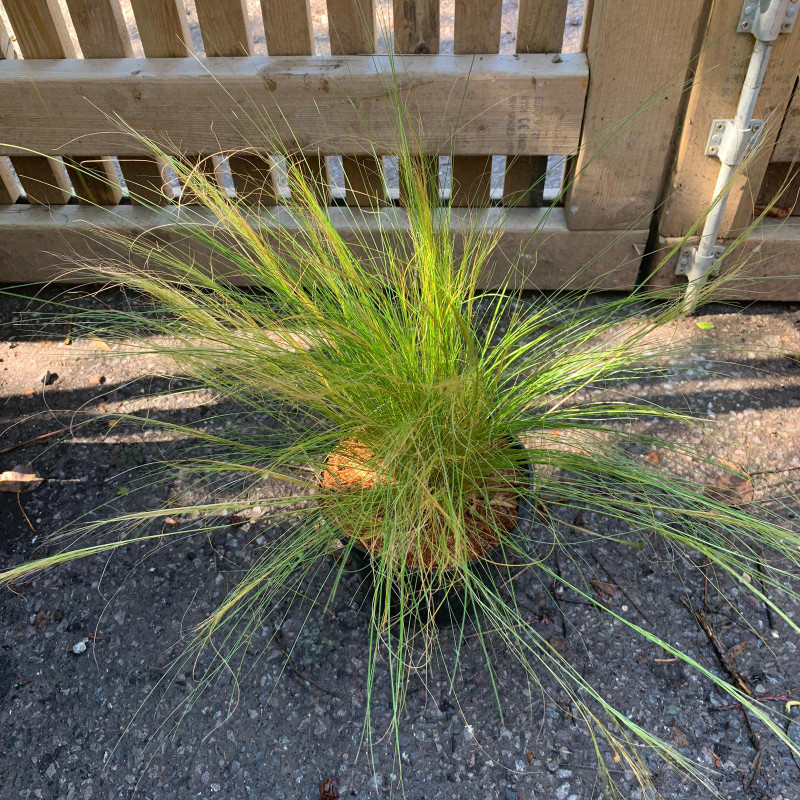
{"points": [[289, 32], [540, 29], [41, 33]]}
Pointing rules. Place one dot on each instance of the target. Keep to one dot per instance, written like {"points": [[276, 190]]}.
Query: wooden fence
{"points": [[632, 112]]}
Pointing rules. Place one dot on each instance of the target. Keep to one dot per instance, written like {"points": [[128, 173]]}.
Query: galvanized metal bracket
{"points": [[688, 256], [729, 145], [768, 19]]}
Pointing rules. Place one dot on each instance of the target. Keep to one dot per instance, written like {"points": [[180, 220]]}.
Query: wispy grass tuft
{"points": [[389, 393]]}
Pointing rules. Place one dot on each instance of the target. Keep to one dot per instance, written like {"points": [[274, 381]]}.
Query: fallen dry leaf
{"points": [[653, 458], [101, 345], [19, 479], [731, 489], [602, 588]]}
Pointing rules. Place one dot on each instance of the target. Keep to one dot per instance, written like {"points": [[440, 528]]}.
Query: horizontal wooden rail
{"points": [[472, 105], [768, 263], [535, 247]]}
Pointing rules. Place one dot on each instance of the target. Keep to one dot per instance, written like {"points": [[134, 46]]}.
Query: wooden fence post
{"points": [[721, 67], [639, 55]]}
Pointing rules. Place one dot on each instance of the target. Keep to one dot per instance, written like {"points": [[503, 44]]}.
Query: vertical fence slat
{"points": [[225, 27], [41, 33], [416, 26], [289, 32], [9, 190], [639, 55], [721, 67], [352, 32], [164, 32], [163, 28], [100, 27], [416, 31], [540, 29], [102, 33], [477, 30]]}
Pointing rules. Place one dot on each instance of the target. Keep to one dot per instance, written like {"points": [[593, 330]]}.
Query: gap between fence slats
{"points": [[41, 33]]}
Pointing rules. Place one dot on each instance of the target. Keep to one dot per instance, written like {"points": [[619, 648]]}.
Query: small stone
{"points": [[252, 713], [48, 378], [51, 771], [562, 791], [79, 647], [97, 380]]}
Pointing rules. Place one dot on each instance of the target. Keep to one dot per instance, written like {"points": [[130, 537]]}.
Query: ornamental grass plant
{"points": [[432, 434]]}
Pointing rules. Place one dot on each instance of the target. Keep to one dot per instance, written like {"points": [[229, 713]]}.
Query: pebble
{"points": [[79, 647], [97, 380]]}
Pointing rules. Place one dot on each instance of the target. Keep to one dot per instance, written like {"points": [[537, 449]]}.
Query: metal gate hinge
{"points": [[729, 145], [687, 258], [768, 19]]}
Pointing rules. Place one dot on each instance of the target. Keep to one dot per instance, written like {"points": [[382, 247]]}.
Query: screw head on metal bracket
{"points": [[767, 19]]}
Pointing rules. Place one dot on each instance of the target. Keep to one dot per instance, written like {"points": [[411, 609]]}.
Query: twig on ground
{"points": [[621, 588], [278, 638], [35, 439]]}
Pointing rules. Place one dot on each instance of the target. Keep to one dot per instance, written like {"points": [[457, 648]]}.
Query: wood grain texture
{"points": [[163, 28], [477, 30], [416, 32], [253, 178], [353, 32], [787, 146], [771, 264], [781, 187], [553, 257], [40, 28], [225, 26], [9, 188], [540, 29], [507, 104], [101, 28], [416, 26], [620, 170], [287, 26], [721, 68], [102, 33], [164, 31], [41, 33], [352, 26]]}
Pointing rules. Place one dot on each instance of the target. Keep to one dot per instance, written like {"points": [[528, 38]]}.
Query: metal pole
{"points": [[705, 259]]}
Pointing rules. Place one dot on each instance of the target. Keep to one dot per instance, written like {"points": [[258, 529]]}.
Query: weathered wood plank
{"points": [[353, 32], [287, 27], [540, 29], [163, 28], [781, 187], [508, 104], [721, 67], [767, 264], [41, 33], [289, 32], [787, 147], [416, 26], [102, 33], [546, 254], [100, 28], [253, 178], [416, 32], [476, 30], [639, 55], [164, 32], [225, 27], [9, 189]]}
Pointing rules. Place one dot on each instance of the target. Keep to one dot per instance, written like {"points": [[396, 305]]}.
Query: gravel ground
{"points": [[62, 712]]}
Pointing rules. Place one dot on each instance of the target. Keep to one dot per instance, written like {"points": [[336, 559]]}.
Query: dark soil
{"points": [[63, 713]]}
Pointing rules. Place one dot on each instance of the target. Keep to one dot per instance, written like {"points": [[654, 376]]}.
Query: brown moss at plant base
{"points": [[487, 514]]}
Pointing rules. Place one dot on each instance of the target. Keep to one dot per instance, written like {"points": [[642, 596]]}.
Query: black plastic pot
{"points": [[447, 606]]}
